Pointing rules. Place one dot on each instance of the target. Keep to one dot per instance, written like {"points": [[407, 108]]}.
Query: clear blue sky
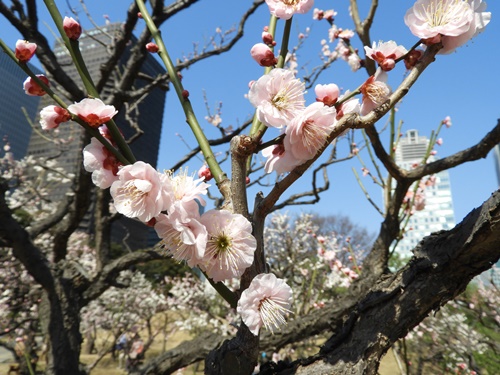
{"points": [[462, 85]]}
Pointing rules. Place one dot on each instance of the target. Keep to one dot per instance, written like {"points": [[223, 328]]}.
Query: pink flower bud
{"points": [[205, 172], [328, 94], [267, 38], [263, 55], [25, 50], [388, 64], [51, 116], [72, 28], [447, 121], [247, 180], [439, 141], [185, 94], [32, 88], [139, 14], [412, 58], [152, 47]]}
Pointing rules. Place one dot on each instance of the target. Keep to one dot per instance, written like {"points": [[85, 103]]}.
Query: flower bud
{"points": [[267, 38], [51, 116], [25, 50], [152, 47], [185, 94], [32, 88], [263, 55], [72, 28]]}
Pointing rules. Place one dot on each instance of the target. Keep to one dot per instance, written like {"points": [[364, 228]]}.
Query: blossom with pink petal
{"points": [[328, 94], [93, 111], [385, 53], [261, 53], [187, 191], [152, 47], [182, 235], [280, 157], [375, 92], [447, 121], [230, 247], [140, 192], [479, 22], [266, 302], [308, 131], [32, 88], [25, 50], [51, 116], [277, 96], [430, 18], [102, 163], [349, 106], [72, 28], [285, 9]]}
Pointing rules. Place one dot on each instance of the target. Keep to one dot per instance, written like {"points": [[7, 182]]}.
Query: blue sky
{"points": [[462, 85]]}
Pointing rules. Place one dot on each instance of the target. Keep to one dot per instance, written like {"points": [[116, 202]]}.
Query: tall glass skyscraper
{"points": [[18, 109], [66, 142], [438, 213]]}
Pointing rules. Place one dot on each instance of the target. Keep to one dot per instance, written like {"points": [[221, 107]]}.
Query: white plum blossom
{"points": [[277, 96], [285, 9], [230, 247], [140, 192], [51, 116], [266, 302]]}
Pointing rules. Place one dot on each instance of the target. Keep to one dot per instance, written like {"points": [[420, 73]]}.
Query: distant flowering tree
{"points": [[285, 287]]}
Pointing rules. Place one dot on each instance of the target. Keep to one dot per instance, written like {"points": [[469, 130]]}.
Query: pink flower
{"points": [[72, 28], [280, 157], [349, 106], [102, 163], [186, 190], [434, 19], [139, 192], [277, 96], [25, 50], [309, 130], [152, 47], [183, 236], [285, 9], [447, 121], [375, 92], [93, 111], [230, 247], [439, 141], [32, 88], [263, 55], [479, 22], [266, 302], [328, 94], [268, 39], [385, 53], [51, 116]]}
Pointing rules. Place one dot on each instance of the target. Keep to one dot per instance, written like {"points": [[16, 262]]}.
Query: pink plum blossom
{"points": [[51, 116], [204, 172], [93, 111], [25, 50], [349, 106], [285, 9], [447, 121], [479, 22], [328, 94], [182, 235], [72, 28], [230, 247], [32, 88], [308, 131], [280, 157], [261, 53], [139, 192], [102, 163], [185, 190], [375, 92], [385, 53], [266, 302], [277, 96]]}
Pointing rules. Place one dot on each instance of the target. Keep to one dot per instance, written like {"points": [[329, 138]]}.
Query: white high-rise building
{"points": [[438, 213]]}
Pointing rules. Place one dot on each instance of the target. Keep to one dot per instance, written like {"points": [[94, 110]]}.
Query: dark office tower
{"points": [[148, 114], [17, 108]]}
